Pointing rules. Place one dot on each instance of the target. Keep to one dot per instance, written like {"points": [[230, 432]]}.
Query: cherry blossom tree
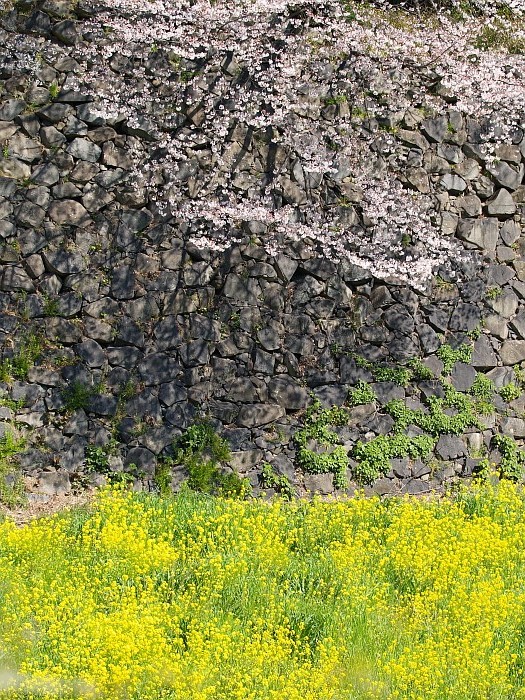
{"points": [[279, 119]]}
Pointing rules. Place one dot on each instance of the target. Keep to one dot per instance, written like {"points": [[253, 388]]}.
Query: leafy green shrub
{"points": [[373, 457], [97, 459], [201, 451], [499, 36], [510, 392], [163, 476], [420, 370], [316, 427], [12, 491], [512, 458], [483, 391], [362, 393], [436, 421], [483, 387], [279, 482], [12, 404], [18, 366], [78, 395], [449, 356], [398, 375]]}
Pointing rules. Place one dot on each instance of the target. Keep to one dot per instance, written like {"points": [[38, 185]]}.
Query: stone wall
{"points": [[117, 332]]}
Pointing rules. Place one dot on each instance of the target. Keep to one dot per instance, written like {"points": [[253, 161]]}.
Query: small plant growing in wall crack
{"points": [[270, 479], [97, 459], [78, 395], [54, 90], [201, 451], [449, 356], [362, 393], [317, 429]]}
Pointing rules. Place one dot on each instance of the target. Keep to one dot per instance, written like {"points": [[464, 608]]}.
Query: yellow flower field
{"points": [[198, 598]]}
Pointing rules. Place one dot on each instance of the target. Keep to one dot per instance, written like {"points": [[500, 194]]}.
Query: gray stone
{"points": [[428, 338], [68, 212], [127, 357], [236, 289], [418, 179], [450, 153], [483, 355], [74, 127], [288, 393], [420, 470], [505, 304], [46, 174], [508, 152], [450, 447], [168, 333], [66, 31], [510, 232], [471, 205], [465, 317], [496, 326], [401, 468], [269, 338], [435, 129], [84, 149], [482, 233], [158, 368], [388, 391], [116, 157], [518, 324], [141, 460], [501, 204], [513, 426], [399, 319], [55, 483], [512, 352], [413, 138], [453, 183], [197, 352], [52, 137], [415, 487], [385, 487], [30, 214], [499, 275], [172, 392], [91, 353], [15, 278], [99, 330], [245, 460], [13, 168], [55, 112], [319, 483], [463, 376], [66, 190], [123, 282], [64, 262], [11, 109], [403, 348], [253, 415], [24, 149], [506, 175], [351, 373], [243, 389], [144, 405]]}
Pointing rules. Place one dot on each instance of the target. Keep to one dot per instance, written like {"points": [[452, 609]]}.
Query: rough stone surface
{"points": [[151, 332]]}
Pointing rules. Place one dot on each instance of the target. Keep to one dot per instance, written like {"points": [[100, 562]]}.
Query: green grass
{"points": [[12, 491]]}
